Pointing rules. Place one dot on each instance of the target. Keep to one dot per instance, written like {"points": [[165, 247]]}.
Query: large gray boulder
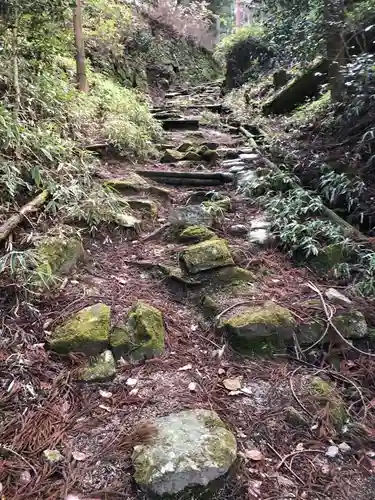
{"points": [[191, 450]]}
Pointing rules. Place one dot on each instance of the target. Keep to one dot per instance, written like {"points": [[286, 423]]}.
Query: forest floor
{"points": [[95, 426]]}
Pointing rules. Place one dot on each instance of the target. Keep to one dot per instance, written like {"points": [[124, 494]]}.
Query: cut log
{"points": [[298, 90], [8, 227], [180, 124]]}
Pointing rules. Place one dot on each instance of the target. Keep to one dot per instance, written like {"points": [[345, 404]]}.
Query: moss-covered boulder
{"points": [[351, 324], [195, 234], [86, 331], [206, 255], [259, 329], [327, 396], [101, 368], [185, 146], [57, 255], [142, 334], [171, 156], [190, 453], [132, 183]]}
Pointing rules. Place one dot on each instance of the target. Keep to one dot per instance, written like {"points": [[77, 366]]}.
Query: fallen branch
{"points": [[282, 462], [8, 226]]}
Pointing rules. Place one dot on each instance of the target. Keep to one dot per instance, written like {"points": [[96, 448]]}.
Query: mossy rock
{"points": [[330, 257], [328, 397], [101, 368], [185, 146], [86, 331], [210, 305], [131, 184], [171, 156], [176, 273], [57, 255], [295, 417], [144, 205], [206, 255], [190, 215], [190, 453], [351, 324], [310, 332], [142, 335], [260, 329], [192, 155], [195, 234], [233, 275]]}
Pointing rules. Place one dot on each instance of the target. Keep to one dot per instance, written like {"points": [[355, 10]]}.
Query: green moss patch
{"points": [[328, 398], [195, 234], [207, 255], [142, 335], [259, 329], [87, 331]]}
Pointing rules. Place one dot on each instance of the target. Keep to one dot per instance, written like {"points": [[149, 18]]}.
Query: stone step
{"points": [[180, 124], [187, 178]]}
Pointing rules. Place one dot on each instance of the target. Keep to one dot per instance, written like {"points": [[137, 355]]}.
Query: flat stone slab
{"points": [[190, 452], [207, 255]]}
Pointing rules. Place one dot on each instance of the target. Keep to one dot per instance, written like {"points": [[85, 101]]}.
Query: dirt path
{"points": [[43, 407]]}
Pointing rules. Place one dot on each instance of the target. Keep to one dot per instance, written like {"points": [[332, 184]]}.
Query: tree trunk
{"points": [[80, 47], [238, 13], [334, 18], [16, 80]]}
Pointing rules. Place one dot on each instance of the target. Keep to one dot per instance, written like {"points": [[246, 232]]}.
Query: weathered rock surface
{"points": [[195, 234], [101, 368], [142, 334], [143, 204], [190, 215], [207, 255], [58, 255], [191, 451], [260, 328], [86, 331], [351, 324], [132, 183], [337, 297]]}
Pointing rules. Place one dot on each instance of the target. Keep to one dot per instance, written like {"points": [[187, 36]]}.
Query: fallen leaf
{"points": [[80, 457], [332, 451], [221, 371], [300, 447], [189, 366], [132, 382], [105, 394], [254, 455], [192, 387], [232, 384], [134, 392]]}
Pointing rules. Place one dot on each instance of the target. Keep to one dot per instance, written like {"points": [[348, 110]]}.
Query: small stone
{"points": [[101, 368], [238, 230], [344, 447], [260, 223], [295, 417], [336, 296], [332, 451], [191, 450], [171, 156], [25, 477], [53, 456], [192, 387]]}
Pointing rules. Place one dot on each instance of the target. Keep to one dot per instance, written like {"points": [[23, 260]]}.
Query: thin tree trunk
{"points": [[16, 79], [80, 48], [238, 13], [334, 17]]}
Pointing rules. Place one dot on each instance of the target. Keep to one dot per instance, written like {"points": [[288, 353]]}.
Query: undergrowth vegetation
{"points": [[300, 222]]}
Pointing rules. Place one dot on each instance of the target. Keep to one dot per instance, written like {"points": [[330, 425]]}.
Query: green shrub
{"points": [[255, 30]]}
